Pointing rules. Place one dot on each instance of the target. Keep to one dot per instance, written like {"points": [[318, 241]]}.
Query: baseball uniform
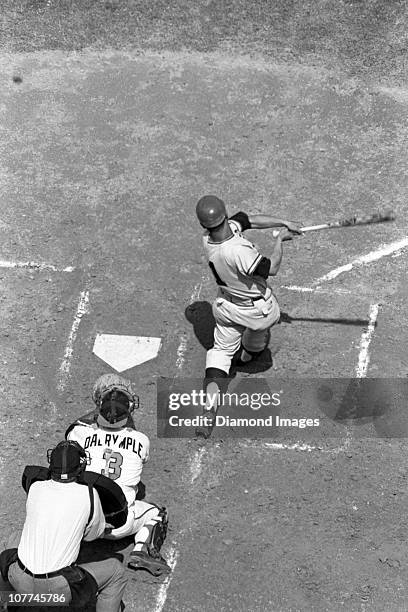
{"points": [[57, 519], [245, 307]]}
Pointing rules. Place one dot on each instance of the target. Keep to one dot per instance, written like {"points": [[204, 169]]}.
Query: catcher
{"points": [[115, 449], [245, 307]]}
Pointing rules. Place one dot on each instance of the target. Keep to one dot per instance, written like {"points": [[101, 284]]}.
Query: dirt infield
{"points": [[104, 155]]}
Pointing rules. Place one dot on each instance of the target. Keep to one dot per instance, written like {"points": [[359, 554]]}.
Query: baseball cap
{"points": [[114, 410], [66, 459]]}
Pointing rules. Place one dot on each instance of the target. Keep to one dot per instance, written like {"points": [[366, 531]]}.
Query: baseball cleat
{"points": [[156, 565]]}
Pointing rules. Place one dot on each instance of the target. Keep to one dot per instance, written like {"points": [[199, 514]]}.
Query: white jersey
{"points": [[118, 454], [233, 262], [57, 515]]}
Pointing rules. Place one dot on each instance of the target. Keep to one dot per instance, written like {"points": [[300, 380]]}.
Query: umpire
{"points": [[60, 512]]}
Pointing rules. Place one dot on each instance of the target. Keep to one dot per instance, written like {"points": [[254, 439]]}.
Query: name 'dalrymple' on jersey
{"points": [[112, 439]]}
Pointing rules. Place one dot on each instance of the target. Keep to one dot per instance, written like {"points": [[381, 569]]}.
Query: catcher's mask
{"points": [[115, 400], [114, 410], [67, 460]]}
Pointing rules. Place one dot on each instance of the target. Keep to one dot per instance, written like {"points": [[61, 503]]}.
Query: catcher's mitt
{"points": [[109, 382]]}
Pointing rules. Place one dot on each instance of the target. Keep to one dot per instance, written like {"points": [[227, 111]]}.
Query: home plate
{"points": [[125, 352]]}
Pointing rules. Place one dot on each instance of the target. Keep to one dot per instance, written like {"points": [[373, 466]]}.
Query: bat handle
{"points": [[311, 228]]}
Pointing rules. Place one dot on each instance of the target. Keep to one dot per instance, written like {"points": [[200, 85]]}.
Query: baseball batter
{"points": [[245, 308], [120, 452]]}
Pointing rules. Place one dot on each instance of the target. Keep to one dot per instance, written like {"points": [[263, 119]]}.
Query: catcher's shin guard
{"points": [[159, 532], [149, 558]]}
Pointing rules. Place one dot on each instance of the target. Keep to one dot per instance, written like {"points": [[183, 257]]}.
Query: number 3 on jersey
{"points": [[113, 464], [218, 280]]}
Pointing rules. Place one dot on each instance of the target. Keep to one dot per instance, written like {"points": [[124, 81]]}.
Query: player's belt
{"points": [[245, 301], [27, 571]]}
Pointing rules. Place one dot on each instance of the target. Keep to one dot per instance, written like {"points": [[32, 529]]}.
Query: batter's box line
{"points": [[33, 265], [393, 248], [308, 448], [172, 557]]}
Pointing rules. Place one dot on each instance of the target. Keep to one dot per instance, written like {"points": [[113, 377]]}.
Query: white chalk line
{"points": [[386, 249], [34, 265], [64, 370], [383, 251], [333, 290], [195, 465], [301, 446], [196, 291], [181, 351], [195, 462], [172, 557], [182, 347], [365, 341], [363, 357]]}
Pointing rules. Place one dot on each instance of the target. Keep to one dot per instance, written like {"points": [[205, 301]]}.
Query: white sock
{"points": [[212, 397]]}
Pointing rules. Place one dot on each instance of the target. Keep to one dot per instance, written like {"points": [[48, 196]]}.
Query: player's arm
{"points": [[277, 252], [265, 266], [245, 222], [267, 222]]}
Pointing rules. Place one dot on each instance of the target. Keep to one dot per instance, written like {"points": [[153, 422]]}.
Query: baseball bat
{"points": [[378, 217]]}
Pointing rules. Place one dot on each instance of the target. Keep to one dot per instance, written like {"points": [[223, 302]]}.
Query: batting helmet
{"points": [[211, 211], [67, 460]]}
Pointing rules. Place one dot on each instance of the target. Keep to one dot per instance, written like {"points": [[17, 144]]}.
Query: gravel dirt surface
{"points": [[115, 118]]}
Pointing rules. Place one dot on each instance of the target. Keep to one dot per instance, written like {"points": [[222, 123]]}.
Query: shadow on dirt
{"points": [[287, 318], [378, 402], [200, 315]]}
